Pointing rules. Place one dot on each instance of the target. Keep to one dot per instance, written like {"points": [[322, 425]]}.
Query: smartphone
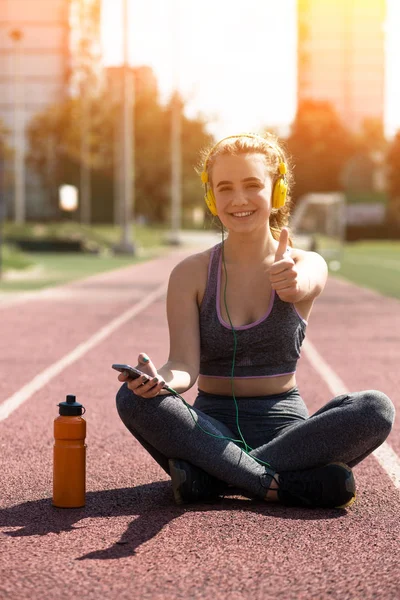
{"points": [[134, 373], [131, 371]]}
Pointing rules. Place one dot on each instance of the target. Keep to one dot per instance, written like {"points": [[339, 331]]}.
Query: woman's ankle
{"points": [[272, 494]]}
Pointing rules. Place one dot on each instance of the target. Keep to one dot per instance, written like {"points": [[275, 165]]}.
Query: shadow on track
{"points": [[153, 507]]}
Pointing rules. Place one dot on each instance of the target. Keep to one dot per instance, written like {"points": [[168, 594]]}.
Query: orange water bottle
{"points": [[69, 455]]}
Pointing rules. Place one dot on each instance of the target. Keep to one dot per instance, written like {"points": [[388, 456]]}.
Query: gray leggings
{"points": [[277, 428]]}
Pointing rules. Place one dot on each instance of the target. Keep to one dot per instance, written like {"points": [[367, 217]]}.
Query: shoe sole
{"points": [[350, 486], [347, 504]]}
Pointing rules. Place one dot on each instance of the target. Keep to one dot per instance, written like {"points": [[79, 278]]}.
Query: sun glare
{"points": [[237, 67]]}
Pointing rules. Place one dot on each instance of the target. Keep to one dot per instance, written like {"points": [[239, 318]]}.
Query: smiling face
{"points": [[242, 188]]}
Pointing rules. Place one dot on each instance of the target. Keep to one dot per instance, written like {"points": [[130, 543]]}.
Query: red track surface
{"points": [[131, 540]]}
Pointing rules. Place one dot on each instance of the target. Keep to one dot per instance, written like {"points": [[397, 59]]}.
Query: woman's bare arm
{"points": [[182, 367]]}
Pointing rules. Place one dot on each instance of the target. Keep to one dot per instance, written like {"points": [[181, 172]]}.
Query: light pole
{"points": [[118, 158], [84, 174], [176, 136], [85, 117], [176, 170], [126, 245], [19, 134]]}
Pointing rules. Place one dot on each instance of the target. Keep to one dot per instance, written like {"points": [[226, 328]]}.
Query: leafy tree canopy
{"points": [[393, 164], [5, 149], [319, 145], [55, 148]]}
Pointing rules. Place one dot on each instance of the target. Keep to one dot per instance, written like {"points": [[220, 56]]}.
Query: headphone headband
{"points": [[279, 191]]}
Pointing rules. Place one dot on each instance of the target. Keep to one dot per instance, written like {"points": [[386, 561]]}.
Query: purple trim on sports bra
{"points": [[218, 303]]}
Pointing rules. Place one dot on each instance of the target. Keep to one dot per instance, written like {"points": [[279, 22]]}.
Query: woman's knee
{"points": [[126, 401], [134, 409], [378, 411]]}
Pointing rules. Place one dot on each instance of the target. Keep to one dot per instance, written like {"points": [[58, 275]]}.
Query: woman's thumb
{"points": [[282, 244], [144, 361]]}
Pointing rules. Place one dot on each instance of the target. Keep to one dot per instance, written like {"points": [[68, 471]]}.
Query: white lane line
{"points": [[385, 455], [43, 378]]}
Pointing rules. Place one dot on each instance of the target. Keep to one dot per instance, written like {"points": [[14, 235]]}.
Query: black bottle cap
{"points": [[70, 407]]}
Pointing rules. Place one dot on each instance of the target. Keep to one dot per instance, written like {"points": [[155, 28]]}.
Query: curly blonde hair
{"points": [[274, 153]]}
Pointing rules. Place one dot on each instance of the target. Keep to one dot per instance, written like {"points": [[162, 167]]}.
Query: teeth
{"points": [[243, 214]]}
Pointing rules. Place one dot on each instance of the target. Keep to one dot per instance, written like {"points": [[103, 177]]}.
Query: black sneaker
{"points": [[330, 486], [192, 484]]}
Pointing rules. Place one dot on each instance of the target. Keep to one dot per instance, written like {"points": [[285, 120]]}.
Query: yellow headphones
{"points": [[279, 191]]}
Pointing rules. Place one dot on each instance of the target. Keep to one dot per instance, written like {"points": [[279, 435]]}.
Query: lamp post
{"points": [[19, 139], [176, 170], [85, 184], [176, 136], [126, 245]]}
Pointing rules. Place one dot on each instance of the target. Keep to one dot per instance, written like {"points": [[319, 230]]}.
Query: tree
{"points": [[3, 133], [194, 137], [393, 164], [371, 138], [4, 154], [153, 158], [363, 172], [319, 145], [55, 150], [54, 137], [87, 73], [6, 151]]}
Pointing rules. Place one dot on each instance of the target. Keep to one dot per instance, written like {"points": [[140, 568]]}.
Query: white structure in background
{"points": [[319, 223], [36, 67]]}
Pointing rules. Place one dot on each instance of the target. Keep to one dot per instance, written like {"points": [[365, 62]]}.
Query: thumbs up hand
{"points": [[282, 244], [283, 271]]}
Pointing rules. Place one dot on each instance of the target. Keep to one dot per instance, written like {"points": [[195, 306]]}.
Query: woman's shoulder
{"points": [[193, 268]]}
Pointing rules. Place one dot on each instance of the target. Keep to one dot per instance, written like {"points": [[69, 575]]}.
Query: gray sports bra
{"points": [[268, 347]]}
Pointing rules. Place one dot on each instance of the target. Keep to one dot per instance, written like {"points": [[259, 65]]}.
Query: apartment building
{"points": [[341, 56], [34, 70]]}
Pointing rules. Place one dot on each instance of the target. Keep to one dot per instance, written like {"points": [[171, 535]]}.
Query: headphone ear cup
{"points": [[210, 201], [279, 193]]}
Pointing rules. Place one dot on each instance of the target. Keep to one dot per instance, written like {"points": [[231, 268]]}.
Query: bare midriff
{"points": [[259, 386]]}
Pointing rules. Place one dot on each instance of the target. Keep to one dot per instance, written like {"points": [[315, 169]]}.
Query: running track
{"points": [[131, 541]]}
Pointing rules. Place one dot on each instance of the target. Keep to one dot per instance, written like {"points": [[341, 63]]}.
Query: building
{"points": [[34, 71], [341, 56]]}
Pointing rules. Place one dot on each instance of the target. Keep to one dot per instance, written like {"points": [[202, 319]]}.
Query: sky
{"points": [[234, 61]]}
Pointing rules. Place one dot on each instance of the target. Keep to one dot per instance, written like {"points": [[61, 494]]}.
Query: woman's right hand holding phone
{"points": [[149, 384]]}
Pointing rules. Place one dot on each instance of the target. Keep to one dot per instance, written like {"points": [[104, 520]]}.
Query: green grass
{"points": [[36, 270], [366, 198], [12, 258], [54, 269], [94, 237], [374, 265]]}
